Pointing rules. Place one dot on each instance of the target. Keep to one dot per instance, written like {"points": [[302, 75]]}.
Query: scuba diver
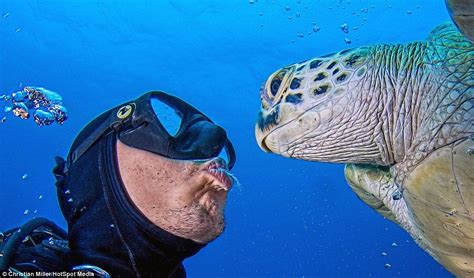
{"points": [[143, 187]]}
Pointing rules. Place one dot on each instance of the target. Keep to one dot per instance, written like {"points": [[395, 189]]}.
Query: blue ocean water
{"points": [[289, 218]]}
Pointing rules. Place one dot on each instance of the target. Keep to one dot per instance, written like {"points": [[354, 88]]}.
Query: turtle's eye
{"points": [[274, 86], [276, 81]]}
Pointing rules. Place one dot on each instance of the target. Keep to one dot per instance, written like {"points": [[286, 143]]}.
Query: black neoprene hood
{"points": [[105, 228]]}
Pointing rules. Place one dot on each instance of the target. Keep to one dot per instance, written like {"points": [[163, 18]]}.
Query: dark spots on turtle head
{"points": [[335, 71], [300, 68], [331, 65], [321, 89], [271, 119], [294, 98], [352, 60], [361, 72], [315, 64], [320, 76], [295, 83], [342, 77]]}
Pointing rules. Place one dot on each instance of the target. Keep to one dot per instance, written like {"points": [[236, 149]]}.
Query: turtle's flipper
{"points": [[375, 186]]}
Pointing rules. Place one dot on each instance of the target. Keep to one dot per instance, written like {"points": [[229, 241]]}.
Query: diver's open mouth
{"points": [[222, 177], [214, 194]]}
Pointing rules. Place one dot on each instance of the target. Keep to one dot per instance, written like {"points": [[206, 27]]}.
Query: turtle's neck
{"points": [[398, 81]]}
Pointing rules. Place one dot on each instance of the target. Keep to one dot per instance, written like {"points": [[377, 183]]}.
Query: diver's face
{"points": [[184, 197]]}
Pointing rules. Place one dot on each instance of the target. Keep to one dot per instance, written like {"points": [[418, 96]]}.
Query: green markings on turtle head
{"points": [[356, 58]]}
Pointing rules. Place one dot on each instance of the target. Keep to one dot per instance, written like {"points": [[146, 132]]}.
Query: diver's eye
{"points": [[169, 118]]}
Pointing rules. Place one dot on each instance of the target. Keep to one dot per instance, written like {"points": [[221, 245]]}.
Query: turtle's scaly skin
{"points": [[405, 107]]}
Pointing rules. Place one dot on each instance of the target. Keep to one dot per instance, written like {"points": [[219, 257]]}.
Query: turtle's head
{"points": [[307, 108]]}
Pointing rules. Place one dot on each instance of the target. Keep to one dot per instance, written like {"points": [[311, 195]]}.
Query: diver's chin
{"points": [[212, 224], [213, 203]]}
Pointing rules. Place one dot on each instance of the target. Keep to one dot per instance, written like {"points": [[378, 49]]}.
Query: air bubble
{"points": [[20, 110], [396, 195], [45, 105], [345, 28], [43, 118]]}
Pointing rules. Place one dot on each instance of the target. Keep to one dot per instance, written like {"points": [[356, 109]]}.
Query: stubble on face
{"points": [[179, 196]]}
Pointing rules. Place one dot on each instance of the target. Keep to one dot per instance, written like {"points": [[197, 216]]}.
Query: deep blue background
{"points": [[289, 218]]}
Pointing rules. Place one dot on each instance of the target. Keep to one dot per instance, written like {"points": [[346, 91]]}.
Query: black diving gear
{"points": [[139, 125], [106, 230], [38, 245]]}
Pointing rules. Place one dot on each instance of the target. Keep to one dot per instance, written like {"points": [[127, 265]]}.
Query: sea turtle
{"points": [[402, 118]]}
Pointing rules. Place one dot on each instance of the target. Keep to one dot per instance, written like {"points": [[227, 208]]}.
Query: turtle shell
{"points": [[440, 196]]}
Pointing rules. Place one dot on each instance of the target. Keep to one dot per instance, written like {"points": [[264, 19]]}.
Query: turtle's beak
{"points": [[260, 136], [266, 122]]}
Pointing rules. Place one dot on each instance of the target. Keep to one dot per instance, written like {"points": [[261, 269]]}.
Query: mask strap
{"points": [[107, 127], [86, 144]]}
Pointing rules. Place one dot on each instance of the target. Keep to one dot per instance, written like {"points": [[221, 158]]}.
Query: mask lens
{"points": [[228, 154], [169, 118], [224, 155]]}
